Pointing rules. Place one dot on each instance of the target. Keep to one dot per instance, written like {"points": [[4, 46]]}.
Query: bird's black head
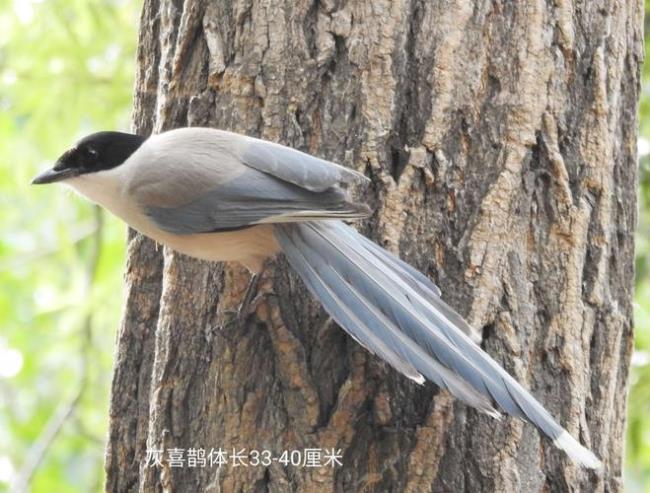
{"points": [[95, 152]]}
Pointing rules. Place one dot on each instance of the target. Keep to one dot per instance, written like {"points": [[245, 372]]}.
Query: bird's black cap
{"points": [[95, 152]]}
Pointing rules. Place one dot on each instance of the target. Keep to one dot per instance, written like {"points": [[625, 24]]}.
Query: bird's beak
{"points": [[52, 175]]}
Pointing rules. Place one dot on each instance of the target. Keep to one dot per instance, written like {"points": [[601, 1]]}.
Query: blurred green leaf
{"points": [[638, 432], [66, 69]]}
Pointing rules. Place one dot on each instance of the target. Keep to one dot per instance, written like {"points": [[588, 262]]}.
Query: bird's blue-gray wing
{"points": [[253, 198], [294, 166]]}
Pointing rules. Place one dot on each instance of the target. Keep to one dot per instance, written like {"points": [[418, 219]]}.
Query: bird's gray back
{"points": [[176, 167]]}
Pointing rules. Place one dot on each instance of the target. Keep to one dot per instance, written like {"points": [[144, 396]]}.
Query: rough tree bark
{"points": [[500, 139]]}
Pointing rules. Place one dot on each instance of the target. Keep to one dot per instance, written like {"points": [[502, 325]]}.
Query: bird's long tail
{"points": [[397, 313]]}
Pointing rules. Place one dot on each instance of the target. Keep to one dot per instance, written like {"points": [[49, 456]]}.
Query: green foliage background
{"points": [[638, 434], [66, 69]]}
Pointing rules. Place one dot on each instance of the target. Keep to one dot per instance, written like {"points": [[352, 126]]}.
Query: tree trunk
{"points": [[500, 138]]}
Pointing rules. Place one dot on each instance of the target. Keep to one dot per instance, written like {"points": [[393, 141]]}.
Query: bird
{"points": [[222, 196]]}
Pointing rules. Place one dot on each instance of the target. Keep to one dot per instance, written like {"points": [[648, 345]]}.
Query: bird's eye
{"points": [[92, 152]]}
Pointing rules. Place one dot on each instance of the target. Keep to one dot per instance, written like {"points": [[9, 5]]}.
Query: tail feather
{"points": [[416, 280], [362, 320], [397, 313], [403, 306], [345, 315]]}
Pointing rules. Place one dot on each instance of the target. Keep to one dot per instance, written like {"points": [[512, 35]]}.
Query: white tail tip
{"points": [[417, 378], [577, 452]]}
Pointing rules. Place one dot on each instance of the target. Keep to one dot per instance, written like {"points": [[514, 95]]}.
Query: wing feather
{"points": [[296, 167]]}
